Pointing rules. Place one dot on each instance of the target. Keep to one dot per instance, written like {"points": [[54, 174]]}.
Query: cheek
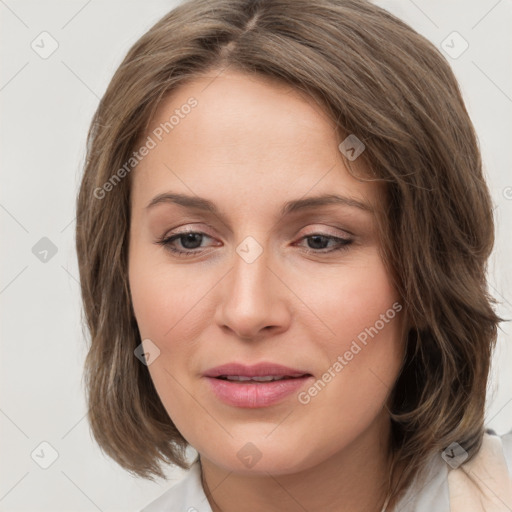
{"points": [[167, 303], [169, 312], [363, 343], [351, 299]]}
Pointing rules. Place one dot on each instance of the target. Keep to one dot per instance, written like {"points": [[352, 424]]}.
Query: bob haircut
{"points": [[376, 78]]}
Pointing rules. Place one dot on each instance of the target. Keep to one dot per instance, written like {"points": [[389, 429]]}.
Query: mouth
{"points": [[255, 386], [257, 380], [260, 372]]}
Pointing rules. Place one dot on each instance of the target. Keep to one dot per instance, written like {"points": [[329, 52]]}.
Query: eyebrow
{"points": [[200, 203]]}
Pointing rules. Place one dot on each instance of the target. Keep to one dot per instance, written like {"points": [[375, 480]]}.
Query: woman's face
{"points": [[268, 276]]}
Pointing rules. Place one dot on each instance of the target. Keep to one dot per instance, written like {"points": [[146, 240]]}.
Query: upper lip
{"points": [[257, 370]]}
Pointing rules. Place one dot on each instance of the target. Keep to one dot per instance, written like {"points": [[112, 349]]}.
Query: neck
{"points": [[353, 479]]}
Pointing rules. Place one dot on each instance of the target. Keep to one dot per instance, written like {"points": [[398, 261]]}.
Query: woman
{"points": [[283, 230]]}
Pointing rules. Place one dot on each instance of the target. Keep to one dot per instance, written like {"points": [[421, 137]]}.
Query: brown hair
{"points": [[376, 78]]}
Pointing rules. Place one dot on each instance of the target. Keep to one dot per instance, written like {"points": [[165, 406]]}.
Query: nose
{"points": [[253, 299]]}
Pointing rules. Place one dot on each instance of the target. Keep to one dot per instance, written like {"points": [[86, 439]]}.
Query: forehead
{"points": [[252, 134], [234, 107]]}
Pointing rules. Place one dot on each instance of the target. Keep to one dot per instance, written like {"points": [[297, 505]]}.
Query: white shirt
{"points": [[432, 495]]}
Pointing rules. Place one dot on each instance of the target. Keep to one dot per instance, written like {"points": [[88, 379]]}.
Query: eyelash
{"points": [[166, 242]]}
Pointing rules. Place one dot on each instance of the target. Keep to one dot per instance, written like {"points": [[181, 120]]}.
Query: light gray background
{"points": [[46, 107]]}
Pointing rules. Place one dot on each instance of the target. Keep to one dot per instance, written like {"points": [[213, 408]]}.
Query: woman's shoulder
{"points": [[186, 495], [485, 482], [448, 482]]}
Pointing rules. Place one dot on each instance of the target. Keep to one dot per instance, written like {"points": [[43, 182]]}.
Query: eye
{"points": [[319, 241], [190, 240]]}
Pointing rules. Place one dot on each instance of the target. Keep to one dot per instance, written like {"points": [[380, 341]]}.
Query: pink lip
{"points": [[251, 394], [257, 370], [255, 394]]}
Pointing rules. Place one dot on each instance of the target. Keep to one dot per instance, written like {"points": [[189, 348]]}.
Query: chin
{"points": [[263, 457]]}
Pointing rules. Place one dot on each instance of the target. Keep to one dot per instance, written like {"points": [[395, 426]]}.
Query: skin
{"points": [[250, 145]]}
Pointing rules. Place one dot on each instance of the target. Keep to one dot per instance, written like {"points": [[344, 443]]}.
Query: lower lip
{"points": [[253, 395]]}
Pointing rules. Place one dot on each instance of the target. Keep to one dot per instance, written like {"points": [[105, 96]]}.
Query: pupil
{"points": [[315, 239], [189, 237]]}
